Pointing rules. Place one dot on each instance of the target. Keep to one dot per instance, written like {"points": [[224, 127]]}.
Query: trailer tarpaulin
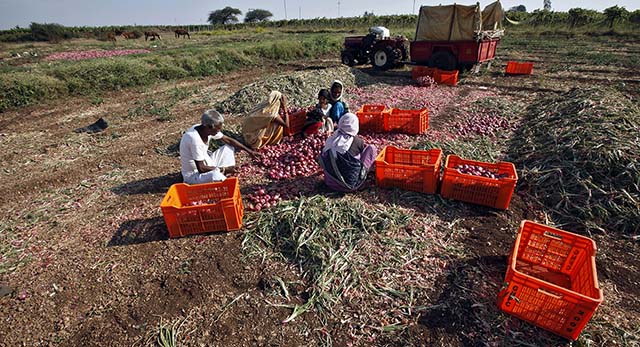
{"points": [[492, 16], [457, 22]]}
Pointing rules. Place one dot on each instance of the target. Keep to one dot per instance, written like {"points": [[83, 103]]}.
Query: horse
{"points": [[111, 37], [129, 35], [152, 35], [182, 32]]}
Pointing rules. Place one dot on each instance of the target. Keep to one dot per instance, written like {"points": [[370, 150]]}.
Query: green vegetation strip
{"points": [[91, 77], [580, 154]]}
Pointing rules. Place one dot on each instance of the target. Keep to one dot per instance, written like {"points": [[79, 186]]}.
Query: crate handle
{"points": [[555, 296], [552, 235]]}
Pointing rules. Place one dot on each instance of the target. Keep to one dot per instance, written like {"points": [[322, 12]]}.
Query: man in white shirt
{"points": [[198, 164]]}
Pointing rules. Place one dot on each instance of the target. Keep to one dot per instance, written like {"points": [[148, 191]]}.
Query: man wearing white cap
{"points": [[199, 165]]}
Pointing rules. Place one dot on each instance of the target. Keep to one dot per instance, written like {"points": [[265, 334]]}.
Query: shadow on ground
{"points": [[466, 314], [153, 185], [140, 231]]}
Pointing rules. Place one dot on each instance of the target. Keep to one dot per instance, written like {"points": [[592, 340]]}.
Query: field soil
{"points": [[87, 260]]}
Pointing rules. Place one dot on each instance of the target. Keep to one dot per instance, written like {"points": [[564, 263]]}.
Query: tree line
{"points": [[576, 17]]}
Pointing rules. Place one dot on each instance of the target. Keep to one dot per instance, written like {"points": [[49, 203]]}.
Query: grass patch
{"points": [[580, 155], [25, 88]]}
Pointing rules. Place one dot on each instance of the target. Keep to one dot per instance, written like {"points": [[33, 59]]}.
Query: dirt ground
{"points": [[95, 266]]}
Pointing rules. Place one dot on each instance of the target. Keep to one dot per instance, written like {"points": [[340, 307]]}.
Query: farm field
{"points": [[85, 254]]}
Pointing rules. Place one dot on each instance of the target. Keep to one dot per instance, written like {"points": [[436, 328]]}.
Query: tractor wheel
{"points": [[443, 60], [347, 59], [383, 59]]}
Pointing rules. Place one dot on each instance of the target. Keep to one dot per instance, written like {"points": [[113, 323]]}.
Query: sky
{"points": [[173, 12]]}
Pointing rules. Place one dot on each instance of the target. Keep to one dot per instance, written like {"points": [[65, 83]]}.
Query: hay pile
{"points": [[580, 155], [301, 88]]}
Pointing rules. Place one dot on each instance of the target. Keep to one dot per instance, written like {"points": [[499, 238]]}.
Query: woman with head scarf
{"points": [[345, 158], [338, 106], [263, 126]]}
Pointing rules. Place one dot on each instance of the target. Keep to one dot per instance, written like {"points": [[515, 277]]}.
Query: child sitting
{"points": [[318, 119]]}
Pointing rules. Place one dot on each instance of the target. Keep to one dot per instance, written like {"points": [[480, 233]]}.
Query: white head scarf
{"points": [[341, 139], [331, 94]]}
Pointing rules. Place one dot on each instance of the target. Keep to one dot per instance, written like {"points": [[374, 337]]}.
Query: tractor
{"points": [[447, 37], [377, 47]]}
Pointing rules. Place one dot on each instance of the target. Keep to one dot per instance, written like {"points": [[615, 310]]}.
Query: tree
{"points": [[226, 15], [634, 17], [257, 15], [547, 5], [368, 14], [519, 8], [579, 16], [615, 14]]}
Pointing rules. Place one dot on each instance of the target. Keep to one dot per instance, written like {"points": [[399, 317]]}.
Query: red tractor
{"points": [[377, 47]]}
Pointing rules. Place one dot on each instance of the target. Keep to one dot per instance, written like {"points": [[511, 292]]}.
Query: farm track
{"points": [[101, 270]]}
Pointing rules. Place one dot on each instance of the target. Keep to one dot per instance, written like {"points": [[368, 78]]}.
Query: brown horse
{"points": [[111, 37], [152, 35], [129, 35], [182, 32]]}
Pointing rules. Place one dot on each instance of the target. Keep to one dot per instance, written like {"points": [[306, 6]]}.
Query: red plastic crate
{"points": [[446, 77], [407, 121], [551, 280], [371, 118], [419, 71], [408, 169], [296, 122], [479, 190], [224, 214], [517, 68]]}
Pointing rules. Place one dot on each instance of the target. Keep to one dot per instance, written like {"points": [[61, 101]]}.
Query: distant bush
{"points": [[25, 88], [16, 35], [634, 17], [213, 32], [517, 16], [50, 32]]}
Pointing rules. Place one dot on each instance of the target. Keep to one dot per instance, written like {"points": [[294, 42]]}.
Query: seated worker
{"points": [[314, 123], [345, 159], [338, 106], [263, 126], [318, 120], [199, 165]]}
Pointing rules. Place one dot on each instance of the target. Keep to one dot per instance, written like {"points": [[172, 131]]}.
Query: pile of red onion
{"points": [[477, 170], [81, 55], [292, 157], [484, 124], [262, 198]]}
